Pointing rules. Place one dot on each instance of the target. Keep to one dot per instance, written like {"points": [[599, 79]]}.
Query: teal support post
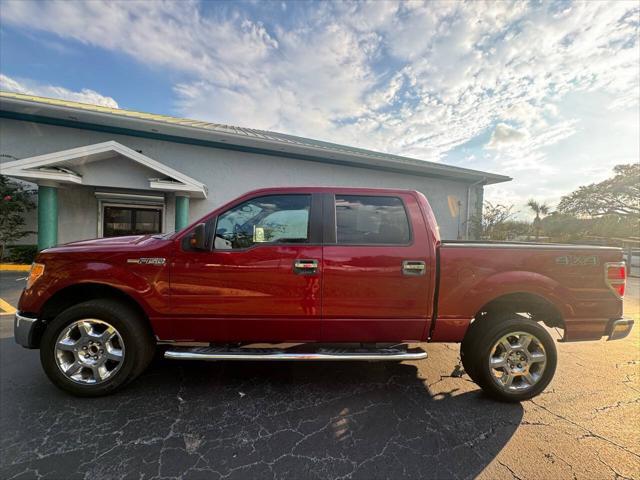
{"points": [[182, 212], [47, 217]]}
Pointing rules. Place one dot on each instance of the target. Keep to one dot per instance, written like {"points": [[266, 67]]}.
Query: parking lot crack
{"points": [[618, 475], [513, 474], [590, 433], [178, 418], [616, 405]]}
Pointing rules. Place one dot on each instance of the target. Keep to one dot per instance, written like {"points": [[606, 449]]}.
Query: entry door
{"points": [[375, 275], [259, 279]]}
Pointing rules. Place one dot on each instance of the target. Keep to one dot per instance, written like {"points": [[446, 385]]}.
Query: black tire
{"points": [[469, 339], [478, 350], [473, 333], [139, 345]]}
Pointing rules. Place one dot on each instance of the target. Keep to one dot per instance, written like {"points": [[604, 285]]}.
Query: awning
{"points": [[62, 167]]}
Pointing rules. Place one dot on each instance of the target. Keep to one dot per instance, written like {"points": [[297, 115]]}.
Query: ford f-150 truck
{"points": [[336, 273]]}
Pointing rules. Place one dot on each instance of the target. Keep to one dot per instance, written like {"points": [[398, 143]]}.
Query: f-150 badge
{"points": [[147, 261]]}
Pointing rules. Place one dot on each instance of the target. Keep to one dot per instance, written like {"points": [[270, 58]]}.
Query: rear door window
{"points": [[371, 220]]}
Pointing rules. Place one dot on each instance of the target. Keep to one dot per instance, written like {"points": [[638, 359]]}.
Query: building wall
{"points": [[77, 213], [226, 173]]}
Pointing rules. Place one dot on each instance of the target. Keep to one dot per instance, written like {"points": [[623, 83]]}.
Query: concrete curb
{"points": [[10, 267]]}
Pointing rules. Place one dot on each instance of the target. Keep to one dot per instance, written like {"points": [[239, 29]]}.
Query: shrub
{"points": [[15, 201], [24, 254]]}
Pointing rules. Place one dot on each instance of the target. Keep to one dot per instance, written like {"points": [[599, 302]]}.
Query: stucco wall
{"points": [[77, 213], [226, 173]]}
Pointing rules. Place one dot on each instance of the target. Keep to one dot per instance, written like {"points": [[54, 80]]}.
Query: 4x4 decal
{"points": [[580, 260]]}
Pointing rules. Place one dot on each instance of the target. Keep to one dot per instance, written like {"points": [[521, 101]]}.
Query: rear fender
{"points": [[506, 283], [463, 302]]}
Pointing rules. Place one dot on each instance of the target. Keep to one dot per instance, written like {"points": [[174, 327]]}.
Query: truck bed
{"points": [[568, 279]]}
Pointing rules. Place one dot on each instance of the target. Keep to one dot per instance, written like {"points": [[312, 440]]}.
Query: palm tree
{"points": [[539, 209]]}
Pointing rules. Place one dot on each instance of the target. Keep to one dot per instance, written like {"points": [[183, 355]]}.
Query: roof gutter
{"points": [[469, 187]]}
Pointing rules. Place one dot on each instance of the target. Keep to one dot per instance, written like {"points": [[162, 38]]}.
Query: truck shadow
{"points": [[253, 420]]}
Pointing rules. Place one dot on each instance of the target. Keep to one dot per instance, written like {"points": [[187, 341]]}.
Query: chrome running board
{"points": [[273, 354]]}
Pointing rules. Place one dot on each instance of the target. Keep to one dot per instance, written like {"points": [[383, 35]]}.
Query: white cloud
{"points": [[85, 95], [413, 78], [505, 135]]}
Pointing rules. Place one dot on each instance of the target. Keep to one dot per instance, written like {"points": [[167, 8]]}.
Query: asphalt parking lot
{"points": [[329, 420]]}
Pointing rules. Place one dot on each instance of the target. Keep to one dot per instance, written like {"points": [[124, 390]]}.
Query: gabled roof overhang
{"points": [[57, 167]]}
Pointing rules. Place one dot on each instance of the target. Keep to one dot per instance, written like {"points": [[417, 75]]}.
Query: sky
{"points": [[545, 92]]}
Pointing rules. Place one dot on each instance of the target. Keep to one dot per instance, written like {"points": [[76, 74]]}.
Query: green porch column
{"points": [[47, 216], [182, 212]]}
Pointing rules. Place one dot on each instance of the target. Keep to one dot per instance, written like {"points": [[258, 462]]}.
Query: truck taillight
{"points": [[616, 277]]}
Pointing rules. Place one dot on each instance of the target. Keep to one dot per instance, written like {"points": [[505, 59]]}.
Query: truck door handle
{"points": [[305, 266], [414, 267]]}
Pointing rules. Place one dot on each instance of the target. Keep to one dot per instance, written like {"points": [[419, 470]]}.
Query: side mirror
{"points": [[198, 237]]}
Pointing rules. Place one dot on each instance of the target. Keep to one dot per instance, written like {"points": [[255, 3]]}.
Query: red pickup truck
{"points": [[337, 273]]}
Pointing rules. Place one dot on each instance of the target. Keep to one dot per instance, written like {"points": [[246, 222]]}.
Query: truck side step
{"points": [[273, 354]]}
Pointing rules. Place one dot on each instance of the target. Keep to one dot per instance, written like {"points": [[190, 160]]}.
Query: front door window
{"points": [[122, 220], [270, 219]]}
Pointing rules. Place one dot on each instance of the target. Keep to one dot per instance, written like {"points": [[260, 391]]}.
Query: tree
{"points": [[564, 228], [493, 216], [570, 229], [539, 209], [15, 202], [619, 195], [512, 229]]}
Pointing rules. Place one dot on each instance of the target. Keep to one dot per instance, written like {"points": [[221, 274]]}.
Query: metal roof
{"points": [[82, 115]]}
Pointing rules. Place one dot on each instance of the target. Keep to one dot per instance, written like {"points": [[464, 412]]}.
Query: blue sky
{"points": [[546, 92]]}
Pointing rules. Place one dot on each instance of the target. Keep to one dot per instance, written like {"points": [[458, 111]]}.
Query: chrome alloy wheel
{"points": [[89, 351], [517, 361]]}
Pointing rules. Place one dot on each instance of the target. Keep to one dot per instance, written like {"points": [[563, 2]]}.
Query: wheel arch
{"points": [[81, 292], [535, 305]]}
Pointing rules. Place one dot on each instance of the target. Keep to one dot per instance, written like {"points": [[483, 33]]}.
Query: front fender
{"points": [[144, 283]]}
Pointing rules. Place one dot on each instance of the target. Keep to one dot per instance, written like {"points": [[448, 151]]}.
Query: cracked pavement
{"points": [[197, 420]]}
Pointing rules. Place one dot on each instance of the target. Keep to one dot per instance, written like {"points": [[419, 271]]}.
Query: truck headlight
{"points": [[37, 270]]}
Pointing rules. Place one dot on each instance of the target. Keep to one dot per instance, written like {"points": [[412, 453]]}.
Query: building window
{"points": [[126, 220], [371, 220]]}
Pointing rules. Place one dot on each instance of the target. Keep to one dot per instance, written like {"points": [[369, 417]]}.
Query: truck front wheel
{"points": [[512, 359], [95, 347]]}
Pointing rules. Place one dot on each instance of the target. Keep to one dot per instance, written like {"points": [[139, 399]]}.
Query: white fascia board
{"points": [[177, 187], [62, 177], [51, 159]]}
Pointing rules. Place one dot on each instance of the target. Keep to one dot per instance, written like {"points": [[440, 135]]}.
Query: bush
{"points": [[15, 201], [24, 254]]}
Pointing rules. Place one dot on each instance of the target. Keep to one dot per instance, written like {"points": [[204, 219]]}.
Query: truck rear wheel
{"points": [[513, 359], [95, 347]]}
